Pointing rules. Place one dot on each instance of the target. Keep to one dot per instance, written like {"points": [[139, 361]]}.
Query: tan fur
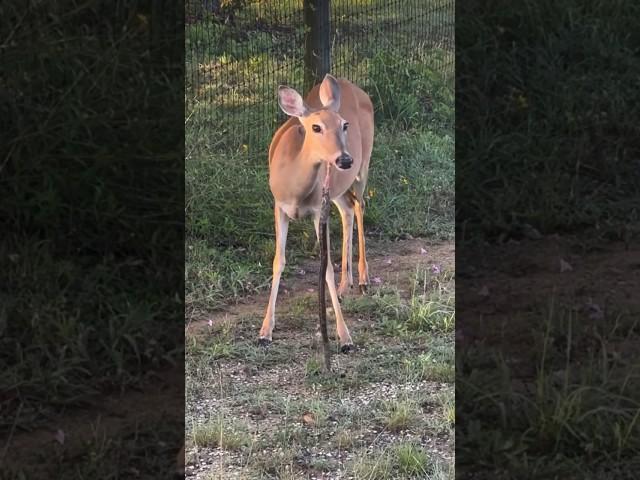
{"points": [[298, 160]]}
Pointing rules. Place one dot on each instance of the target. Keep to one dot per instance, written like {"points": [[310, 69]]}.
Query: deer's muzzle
{"points": [[344, 161]]}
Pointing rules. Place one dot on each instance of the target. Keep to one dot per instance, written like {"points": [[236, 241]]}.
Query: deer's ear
{"points": [[330, 93], [291, 102]]}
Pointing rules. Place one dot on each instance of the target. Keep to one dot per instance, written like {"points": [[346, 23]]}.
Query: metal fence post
{"points": [[316, 41]]}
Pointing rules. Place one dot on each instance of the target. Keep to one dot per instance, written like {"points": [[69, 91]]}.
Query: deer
{"points": [[331, 128]]}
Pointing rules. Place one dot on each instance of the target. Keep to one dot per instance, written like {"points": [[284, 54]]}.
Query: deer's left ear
{"points": [[330, 93], [291, 102]]}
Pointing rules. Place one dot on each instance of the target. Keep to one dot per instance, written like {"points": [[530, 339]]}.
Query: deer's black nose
{"points": [[344, 161]]}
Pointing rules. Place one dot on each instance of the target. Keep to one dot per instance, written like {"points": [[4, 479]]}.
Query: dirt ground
{"points": [[390, 263], [303, 424], [517, 279], [549, 326], [263, 390], [87, 438]]}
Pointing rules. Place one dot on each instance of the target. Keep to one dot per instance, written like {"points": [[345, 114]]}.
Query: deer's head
{"points": [[325, 130]]}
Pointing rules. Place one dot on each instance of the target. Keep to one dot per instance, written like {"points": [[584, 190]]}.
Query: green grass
{"points": [[401, 461], [434, 370], [443, 422], [399, 415], [547, 133], [218, 433], [379, 467], [90, 215], [577, 415], [412, 460], [430, 309], [229, 208]]}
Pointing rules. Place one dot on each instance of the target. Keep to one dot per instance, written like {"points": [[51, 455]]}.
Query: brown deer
{"points": [[331, 128]]}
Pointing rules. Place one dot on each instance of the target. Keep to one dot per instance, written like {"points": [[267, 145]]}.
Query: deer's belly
{"points": [[298, 210]]}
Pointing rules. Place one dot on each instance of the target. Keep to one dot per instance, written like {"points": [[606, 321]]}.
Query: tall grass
{"points": [[577, 416]]}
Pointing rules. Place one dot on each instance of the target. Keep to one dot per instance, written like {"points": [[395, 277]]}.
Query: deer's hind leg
{"points": [[345, 205], [358, 208]]}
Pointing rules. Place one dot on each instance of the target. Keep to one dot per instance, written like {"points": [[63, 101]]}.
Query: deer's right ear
{"points": [[291, 102]]}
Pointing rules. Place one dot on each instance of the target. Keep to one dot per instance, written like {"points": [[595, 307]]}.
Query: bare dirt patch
{"points": [[390, 263], [518, 280], [253, 413], [87, 437], [548, 332]]}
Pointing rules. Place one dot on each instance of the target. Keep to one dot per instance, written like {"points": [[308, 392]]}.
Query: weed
{"points": [[303, 304], [412, 460], [404, 460], [218, 433], [399, 415], [427, 367], [288, 435], [214, 347], [276, 465], [429, 311], [313, 367], [378, 467], [442, 471], [432, 310], [345, 439], [444, 420]]}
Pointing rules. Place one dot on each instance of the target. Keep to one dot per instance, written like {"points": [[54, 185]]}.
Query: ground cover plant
{"points": [[89, 292], [387, 411], [548, 187]]}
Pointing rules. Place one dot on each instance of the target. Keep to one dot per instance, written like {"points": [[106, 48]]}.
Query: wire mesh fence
{"points": [[239, 51]]}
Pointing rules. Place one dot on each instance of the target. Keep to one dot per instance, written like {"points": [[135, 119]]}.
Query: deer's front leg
{"points": [[343, 332], [282, 227]]}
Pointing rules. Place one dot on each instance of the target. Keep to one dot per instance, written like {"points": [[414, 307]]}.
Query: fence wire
{"points": [[239, 51]]}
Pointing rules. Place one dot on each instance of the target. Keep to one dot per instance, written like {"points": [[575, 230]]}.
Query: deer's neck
{"points": [[296, 180], [308, 174]]}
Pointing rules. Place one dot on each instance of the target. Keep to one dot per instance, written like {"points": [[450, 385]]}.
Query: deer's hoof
{"points": [[264, 342], [342, 291], [348, 348], [364, 288]]}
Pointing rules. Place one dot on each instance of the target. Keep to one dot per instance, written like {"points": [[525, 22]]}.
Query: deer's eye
{"points": [[316, 128], [345, 126]]}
